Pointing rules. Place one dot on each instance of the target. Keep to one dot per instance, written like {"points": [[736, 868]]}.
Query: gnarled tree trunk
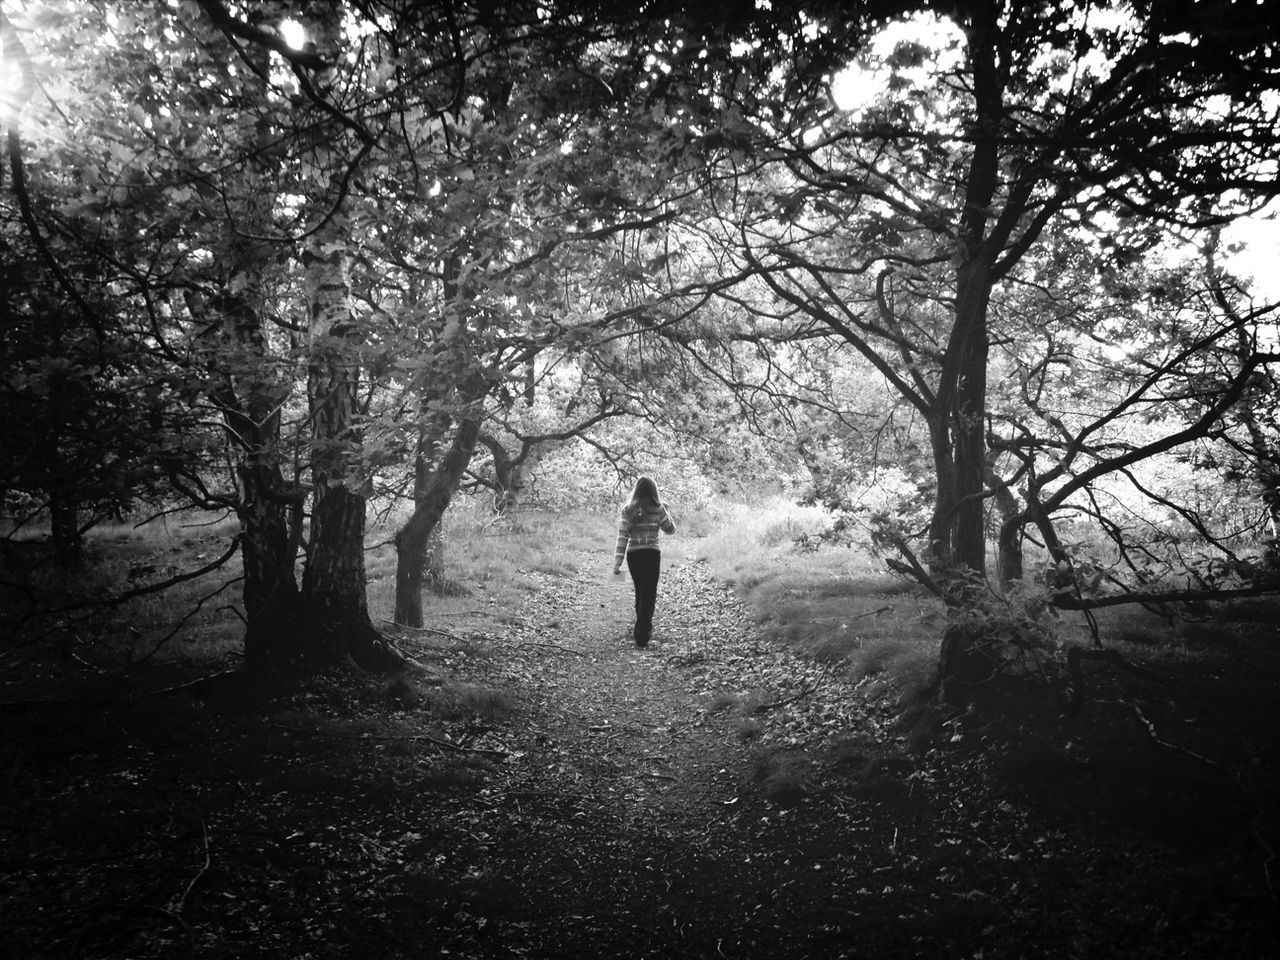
{"points": [[413, 539], [268, 548], [1009, 567]]}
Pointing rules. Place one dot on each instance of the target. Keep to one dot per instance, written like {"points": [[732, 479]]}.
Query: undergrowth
{"points": [[836, 604], [490, 562]]}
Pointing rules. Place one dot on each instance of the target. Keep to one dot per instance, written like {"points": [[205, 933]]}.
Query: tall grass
{"points": [[489, 561], [834, 603]]}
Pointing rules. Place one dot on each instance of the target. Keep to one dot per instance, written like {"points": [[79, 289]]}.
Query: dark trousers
{"points": [[644, 566]]}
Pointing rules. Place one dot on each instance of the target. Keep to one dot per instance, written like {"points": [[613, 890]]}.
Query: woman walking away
{"points": [[642, 517]]}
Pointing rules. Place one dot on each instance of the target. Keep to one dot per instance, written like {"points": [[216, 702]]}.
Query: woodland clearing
{"points": [[538, 787]]}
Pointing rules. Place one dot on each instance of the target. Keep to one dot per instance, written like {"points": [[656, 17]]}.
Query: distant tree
{"points": [[84, 427], [1138, 379], [901, 222], [87, 403]]}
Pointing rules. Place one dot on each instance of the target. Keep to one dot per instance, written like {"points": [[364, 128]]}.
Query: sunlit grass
{"points": [[489, 562], [836, 604]]}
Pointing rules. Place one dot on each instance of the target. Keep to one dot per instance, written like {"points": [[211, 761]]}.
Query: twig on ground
{"points": [[395, 651], [868, 613], [442, 633], [1075, 681], [1231, 775], [187, 685], [794, 697], [183, 621], [181, 905], [92, 666], [969, 837], [457, 639], [502, 754]]}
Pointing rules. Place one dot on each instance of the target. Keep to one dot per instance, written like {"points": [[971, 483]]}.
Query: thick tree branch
{"points": [[232, 27]]}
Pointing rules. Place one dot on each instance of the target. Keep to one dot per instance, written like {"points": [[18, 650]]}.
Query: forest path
{"points": [[648, 805], [540, 788], [537, 788]]}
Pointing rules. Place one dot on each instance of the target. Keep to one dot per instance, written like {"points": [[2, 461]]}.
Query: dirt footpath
{"points": [[661, 787], [537, 787]]}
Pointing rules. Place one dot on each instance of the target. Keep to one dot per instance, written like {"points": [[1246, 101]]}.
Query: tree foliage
{"points": [[895, 245]]}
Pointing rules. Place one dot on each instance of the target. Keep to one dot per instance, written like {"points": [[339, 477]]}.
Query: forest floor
{"points": [[538, 787]]}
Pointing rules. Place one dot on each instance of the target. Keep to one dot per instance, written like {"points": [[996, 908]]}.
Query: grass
{"points": [[835, 604], [120, 558], [464, 701], [490, 564], [839, 605], [783, 776], [488, 560]]}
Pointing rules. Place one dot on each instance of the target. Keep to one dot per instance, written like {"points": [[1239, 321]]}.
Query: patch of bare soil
{"points": [[542, 788]]}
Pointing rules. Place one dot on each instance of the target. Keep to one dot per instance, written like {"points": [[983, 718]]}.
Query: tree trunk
{"points": [[1009, 536], [957, 541], [413, 539], [433, 556], [506, 476], [64, 520], [1009, 566], [965, 664], [958, 525], [944, 469], [249, 393], [1269, 478], [434, 488], [412, 543], [969, 544], [333, 584], [267, 549], [1266, 457]]}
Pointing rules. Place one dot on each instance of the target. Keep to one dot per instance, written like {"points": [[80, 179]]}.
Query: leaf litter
{"points": [[542, 788]]}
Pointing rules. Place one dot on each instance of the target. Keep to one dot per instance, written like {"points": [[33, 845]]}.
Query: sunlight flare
{"points": [[293, 33]]}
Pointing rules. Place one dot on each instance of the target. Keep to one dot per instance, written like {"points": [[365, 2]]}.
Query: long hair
{"points": [[643, 496]]}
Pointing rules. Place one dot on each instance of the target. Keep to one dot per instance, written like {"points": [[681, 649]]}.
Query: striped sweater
{"points": [[638, 530]]}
